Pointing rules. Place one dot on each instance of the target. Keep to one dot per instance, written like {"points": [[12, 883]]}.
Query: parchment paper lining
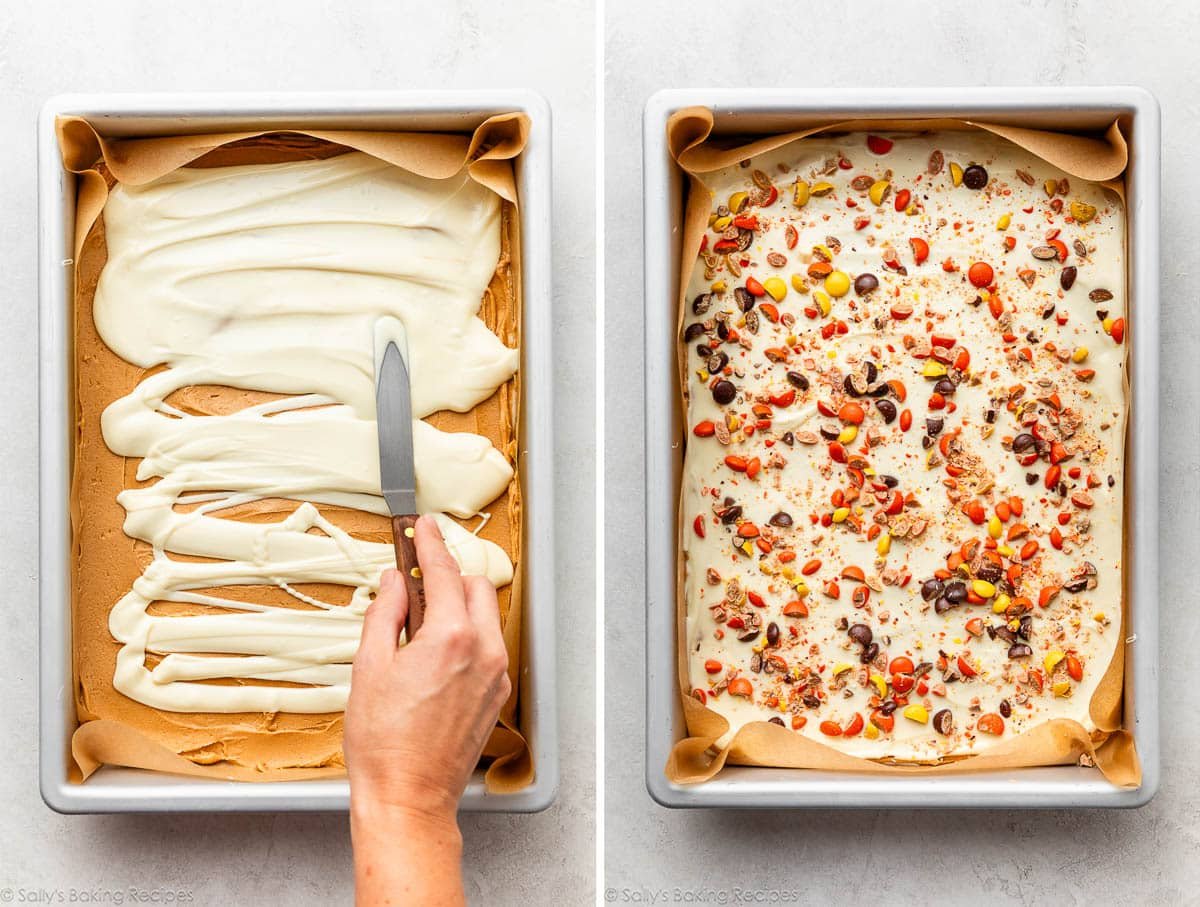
{"points": [[258, 747], [697, 758]]}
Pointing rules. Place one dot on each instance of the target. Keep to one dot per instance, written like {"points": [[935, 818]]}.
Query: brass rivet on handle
{"points": [[408, 532], [415, 572]]}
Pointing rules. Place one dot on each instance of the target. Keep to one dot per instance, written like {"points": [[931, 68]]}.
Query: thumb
{"points": [[385, 617]]}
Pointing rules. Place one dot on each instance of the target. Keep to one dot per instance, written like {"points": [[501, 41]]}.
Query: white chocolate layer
{"points": [[271, 278], [961, 226]]}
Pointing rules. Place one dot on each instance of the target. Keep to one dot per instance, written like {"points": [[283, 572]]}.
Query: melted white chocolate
{"points": [[272, 278], [961, 226]]}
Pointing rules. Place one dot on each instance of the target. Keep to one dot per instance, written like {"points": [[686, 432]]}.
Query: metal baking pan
{"points": [[739, 112], [114, 789]]}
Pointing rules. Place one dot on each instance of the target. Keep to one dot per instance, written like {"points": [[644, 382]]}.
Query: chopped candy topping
{"points": [[905, 480]]}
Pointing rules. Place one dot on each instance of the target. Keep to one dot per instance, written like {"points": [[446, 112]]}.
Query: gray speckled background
{"points": [[1052, 857], [49, 48]]}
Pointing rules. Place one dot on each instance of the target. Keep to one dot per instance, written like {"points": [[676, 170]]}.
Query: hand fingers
{"points": [[444, 599], [482, 607], [384, 618], [484, 613]]}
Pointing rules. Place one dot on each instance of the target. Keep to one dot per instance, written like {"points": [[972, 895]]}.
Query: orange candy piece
{"points": [[851, 413], [1074, 668], [795, 608], [980, 274], [920, 249], [740, 686], [883, 721], [991, 723]]}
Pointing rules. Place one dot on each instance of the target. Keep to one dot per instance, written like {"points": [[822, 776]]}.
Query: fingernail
{"points": [[432, 524], [387, 579]]}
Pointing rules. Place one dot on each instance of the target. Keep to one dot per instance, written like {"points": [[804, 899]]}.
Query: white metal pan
{"points": [[1068, 109], [114, 789]]}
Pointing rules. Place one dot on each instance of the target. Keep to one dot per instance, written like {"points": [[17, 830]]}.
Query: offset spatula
{"points": [[393, 407]]}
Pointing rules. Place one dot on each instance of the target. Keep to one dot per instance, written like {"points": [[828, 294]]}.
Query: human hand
{"points": [[420, 714]]}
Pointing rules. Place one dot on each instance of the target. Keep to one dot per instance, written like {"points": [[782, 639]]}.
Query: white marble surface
{"points": [[49, 48], [1149, 856]]}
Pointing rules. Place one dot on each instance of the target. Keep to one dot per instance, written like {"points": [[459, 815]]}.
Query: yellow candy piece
{"points": [[776, 287], [916, 713], [933, 369], [822, 189], [1062, 688], [1004, 221], [880, 685], [839, 515], [995, 527], [1051, 186], [823, 303], [879, 191], [956, 173], [1052, 660], [719, 286], [848, 434], [798, 284], [1082, 212], [983, 588], [738, 201], [837, 284], [884, 545], [721, 223], [1080, 354], [841, 668], [1107, 324], [871, 732], [800, 193]]}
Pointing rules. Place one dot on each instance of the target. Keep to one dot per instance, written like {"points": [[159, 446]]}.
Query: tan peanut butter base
{"points": [[903, 486], [275, 714]]}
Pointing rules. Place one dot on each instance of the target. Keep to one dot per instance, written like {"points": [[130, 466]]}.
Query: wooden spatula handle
{"points": [[406, 563]]}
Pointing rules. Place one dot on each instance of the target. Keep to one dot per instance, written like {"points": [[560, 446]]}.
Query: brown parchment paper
{"points": [[116, 730], [697, 757]]}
